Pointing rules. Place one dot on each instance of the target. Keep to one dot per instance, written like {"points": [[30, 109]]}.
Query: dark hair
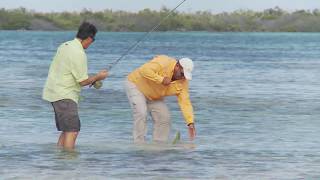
{"points": [[86, 30]]}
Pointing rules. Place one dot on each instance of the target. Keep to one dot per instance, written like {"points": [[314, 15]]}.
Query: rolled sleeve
{"points": [[150, 71]]}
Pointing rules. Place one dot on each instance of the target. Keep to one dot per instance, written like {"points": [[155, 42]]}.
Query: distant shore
{"points": [[269, 20]]}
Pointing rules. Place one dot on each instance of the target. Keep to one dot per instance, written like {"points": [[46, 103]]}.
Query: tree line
{"points": [[269, 20]]}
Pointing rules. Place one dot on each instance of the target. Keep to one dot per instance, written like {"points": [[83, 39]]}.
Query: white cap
{"points": [[187, 65]]}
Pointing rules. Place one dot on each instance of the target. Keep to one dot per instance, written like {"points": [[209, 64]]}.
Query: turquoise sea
{"points": [[256, 98]]}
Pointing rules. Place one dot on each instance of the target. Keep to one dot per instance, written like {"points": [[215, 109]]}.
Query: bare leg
{"points": [[70, 140], [61, 140]]}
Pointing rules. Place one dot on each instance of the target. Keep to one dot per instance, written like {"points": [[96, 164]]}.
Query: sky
{"points": [[215, 6]]}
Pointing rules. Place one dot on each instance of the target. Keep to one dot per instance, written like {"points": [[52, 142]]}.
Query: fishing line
{"points": [[98, 84]]}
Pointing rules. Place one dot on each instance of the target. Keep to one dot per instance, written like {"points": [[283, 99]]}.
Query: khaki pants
{"points": [[140, 106]]}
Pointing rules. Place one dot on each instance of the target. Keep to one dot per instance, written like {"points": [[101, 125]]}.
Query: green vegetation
{"points": [[273, 20]]}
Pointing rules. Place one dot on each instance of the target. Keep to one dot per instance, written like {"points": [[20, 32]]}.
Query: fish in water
{"points": [[177, 138]]}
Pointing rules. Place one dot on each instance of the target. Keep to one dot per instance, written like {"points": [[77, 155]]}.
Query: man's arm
{"points": [[150, 71], [100, 76], [187, 111]]}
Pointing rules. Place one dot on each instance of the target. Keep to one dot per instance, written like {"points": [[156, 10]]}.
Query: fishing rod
{"points": [[98, 84]]}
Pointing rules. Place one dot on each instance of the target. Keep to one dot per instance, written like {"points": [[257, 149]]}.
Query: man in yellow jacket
{"points": [[148, 85]]}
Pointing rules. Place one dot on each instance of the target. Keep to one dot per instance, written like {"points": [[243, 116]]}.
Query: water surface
{"points": [[255, 95]]}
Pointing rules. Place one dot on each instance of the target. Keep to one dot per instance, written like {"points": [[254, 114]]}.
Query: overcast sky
{"points": [[214, 6]]}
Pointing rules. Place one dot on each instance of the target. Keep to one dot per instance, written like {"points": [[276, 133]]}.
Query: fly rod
{"points": [[98, 84]]}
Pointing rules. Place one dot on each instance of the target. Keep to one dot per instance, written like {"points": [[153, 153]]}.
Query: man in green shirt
{"points": [[67, 74]]}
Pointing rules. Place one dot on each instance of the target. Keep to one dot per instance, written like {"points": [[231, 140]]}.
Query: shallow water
{"points": [[256, 99]]}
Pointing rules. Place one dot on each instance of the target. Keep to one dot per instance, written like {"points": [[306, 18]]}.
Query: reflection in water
{"points": [[165, 146], [67, 154]]}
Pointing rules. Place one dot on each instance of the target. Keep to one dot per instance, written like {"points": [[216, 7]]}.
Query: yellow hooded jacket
{"points": [[148, 79]]}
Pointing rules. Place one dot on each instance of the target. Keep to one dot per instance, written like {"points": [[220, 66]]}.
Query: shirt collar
{"points": [[77, 41]]}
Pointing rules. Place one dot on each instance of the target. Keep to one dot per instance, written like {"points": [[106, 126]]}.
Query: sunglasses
{"points": [[93, 38]]}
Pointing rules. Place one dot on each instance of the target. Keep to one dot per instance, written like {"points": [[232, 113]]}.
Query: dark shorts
{"points": [[66, 115]]}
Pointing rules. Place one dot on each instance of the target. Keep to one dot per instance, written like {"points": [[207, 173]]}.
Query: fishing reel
{"points": [[97, 84]]}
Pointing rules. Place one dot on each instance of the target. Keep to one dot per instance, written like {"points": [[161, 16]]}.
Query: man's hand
{"points": [[98, 77], [102, 74], [166, 81], [192, 131]]}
